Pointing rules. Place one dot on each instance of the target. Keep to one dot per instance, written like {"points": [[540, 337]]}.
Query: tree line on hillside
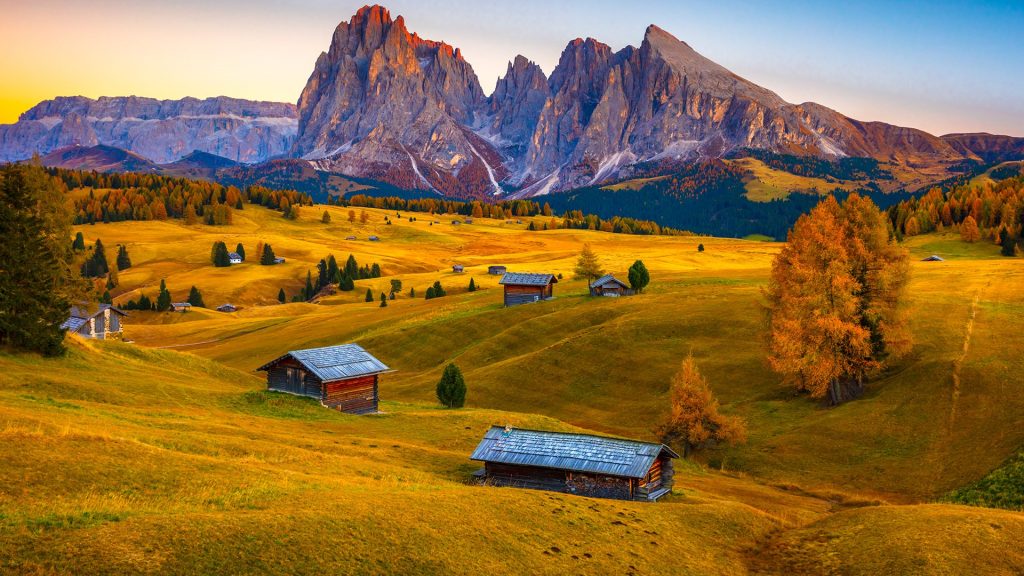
{"points": [[131, 196], [994, 212]]}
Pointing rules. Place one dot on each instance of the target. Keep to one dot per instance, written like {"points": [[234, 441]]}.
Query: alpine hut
{"points": [[344, 377], [496, 270], [581, 464], [608, 285], [103, 324], [524, 288]]}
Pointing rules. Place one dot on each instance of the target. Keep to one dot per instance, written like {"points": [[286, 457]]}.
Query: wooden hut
{"points": [[227, 308], [524, 288], [458, 268], [582, 464], [180, 306], [496, 270], [609, 285], [344, 377], [103, 324]]}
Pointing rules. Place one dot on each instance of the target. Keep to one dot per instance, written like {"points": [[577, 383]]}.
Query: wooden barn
{"points": [[524, 288], [103, 324], [609, 285], [581, 464], [496, 270], [344, 377]]}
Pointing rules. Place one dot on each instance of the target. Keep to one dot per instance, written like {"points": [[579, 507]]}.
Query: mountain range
{"points": [[385, 104]]}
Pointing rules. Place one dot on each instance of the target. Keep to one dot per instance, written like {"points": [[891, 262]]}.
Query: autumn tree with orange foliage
{"points": [[969, 230], [834, 307], [694, 419]]}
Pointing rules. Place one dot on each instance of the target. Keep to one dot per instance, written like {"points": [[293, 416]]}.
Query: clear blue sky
{"points": [[940, 66]]}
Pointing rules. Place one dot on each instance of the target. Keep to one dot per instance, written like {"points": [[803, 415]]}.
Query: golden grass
{"points": [[123, 458], [764, 184]]}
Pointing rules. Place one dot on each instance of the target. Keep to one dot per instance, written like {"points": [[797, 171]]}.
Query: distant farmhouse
{"points": [[458, 268], [103, 324], [580, 464], [524, 288], [496, 270], [344, 377], [180, 306], [227, 308], [609, 285], [933, 258], [235, 258]]}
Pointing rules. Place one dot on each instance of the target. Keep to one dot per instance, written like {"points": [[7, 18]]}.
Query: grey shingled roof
{"points": [[79, 315], [527, 279], [606, 279], [572, 452], [335, 362]]}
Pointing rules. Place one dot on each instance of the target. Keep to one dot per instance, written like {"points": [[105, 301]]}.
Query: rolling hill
{"points": [[176, 444]]}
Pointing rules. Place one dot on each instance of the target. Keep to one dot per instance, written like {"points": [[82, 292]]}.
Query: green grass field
{"points": [[165, 456]]}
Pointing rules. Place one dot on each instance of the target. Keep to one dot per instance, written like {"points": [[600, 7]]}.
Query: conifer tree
{"points": [[472, 285], [220, 255], [639, 277], [240, 250], [694, 419], [309, 292], [195, 298], [105, 298], [835, 300], [79, 244], [587, 266], [700, 247], [326, 218], [351, 267], [369, 295], [281, 296], [430, 293], [333, 273], [37, 282], [451, 389], [1008, 246], [375, 270], [412, 292], [190, 215], [346, 284], [268, 258], [95, 266], [112, 279], [163, 299], [124, 262], [969, 230], [383, 300]]}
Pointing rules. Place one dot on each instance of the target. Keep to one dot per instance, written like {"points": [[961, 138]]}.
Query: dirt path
{"points": [[958, 365]]}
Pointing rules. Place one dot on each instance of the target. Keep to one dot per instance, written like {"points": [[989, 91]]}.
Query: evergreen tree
{"points": [[105, 298], [375, 270], [281, 296], [124, 262], [587, 266], [369, 295], [333, 273], [639, 277], [1008, 244], [195, 298], [700, 247], [347, 284], [268, 258], [163, 299], [309, 292], [351, 267], [95, 266], [112, 279], [451, 389], [292, 212], [240, 250], [472, 285], [383, 300], [412, 292], [396, 285], [430, 293], [438, 289], [221, 256], [326, 218], [79, 244], [322, 278]]}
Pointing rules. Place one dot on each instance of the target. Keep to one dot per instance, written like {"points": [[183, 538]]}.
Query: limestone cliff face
{"points": [[160, 130], [384, 103]]}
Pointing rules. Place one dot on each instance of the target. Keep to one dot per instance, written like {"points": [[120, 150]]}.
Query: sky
{"points": [[942, 66]]}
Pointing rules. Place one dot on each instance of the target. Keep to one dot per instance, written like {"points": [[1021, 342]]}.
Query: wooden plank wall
{"points": [[354, 396]]}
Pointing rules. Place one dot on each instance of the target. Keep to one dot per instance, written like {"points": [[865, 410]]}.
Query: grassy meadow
{"points": [[165, 455]]}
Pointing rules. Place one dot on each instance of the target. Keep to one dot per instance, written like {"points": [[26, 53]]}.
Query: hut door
{"points": [[295, 380]]}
